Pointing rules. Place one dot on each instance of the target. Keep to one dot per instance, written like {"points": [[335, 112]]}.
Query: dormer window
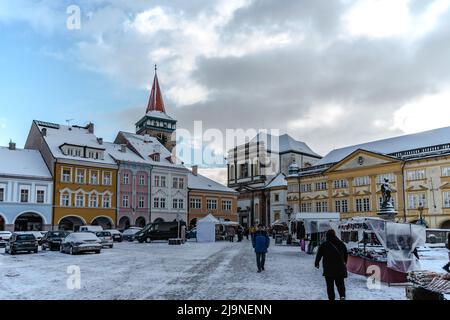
{"points": [[155, 156]]}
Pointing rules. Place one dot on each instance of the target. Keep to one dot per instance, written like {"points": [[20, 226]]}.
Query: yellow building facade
{"points": [[420, 187], [84, 195]]}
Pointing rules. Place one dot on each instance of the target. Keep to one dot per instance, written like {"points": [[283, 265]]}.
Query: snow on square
{"points": [[218, 270]]}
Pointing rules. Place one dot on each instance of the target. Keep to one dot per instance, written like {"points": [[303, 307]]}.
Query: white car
{"points": [[105, 238], [116, 234], [4, 237]]}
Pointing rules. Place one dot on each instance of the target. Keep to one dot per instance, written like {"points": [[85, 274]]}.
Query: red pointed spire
{"points": [[156, 103]]}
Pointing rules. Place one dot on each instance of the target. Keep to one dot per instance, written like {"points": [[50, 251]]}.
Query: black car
{"points": [[52, 240], [160, 231], [116, 235], [129, 234], [21, 242]]}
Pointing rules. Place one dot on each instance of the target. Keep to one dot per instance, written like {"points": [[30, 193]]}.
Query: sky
{"points": [[330, 73]]}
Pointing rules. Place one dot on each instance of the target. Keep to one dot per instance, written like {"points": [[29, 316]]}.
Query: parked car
{"points": [[52, 239], [159, 231], [78, 242], [105, 238], [116, 234], [37, 234], [90, 228], [21, 241], [4, 238], [129, 234]]}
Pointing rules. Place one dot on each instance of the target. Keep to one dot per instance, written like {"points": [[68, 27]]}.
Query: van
{"points": [[160, 231], [90, 228]]}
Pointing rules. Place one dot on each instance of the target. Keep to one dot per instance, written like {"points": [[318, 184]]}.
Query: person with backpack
{"points": [[334, 254], [261, 242]]}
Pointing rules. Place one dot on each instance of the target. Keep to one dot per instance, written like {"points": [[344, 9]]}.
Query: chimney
{"points": [[44, 131], [195, 170], [12, 145], [90, 127], [123, 148], [100, 140]]}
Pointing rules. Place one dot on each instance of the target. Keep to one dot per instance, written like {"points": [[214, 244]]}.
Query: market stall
{"points": [[386, 245], [311, 227], [206, 229], [427, 285]]}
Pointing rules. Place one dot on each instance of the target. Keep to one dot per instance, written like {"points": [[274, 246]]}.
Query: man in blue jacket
{"points": [[261, 242]]}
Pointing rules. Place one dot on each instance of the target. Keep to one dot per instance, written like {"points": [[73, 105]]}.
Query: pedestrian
{"points": [[334, 254], [239, 233], [261, 242], [246, 232], [231, 233], [447, 266]]}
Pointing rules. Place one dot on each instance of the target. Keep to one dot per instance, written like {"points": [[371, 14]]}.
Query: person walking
{"points": [[239, 233], [231, 233], [261, 242], [447, 266], [334, 254], [246, 232]]}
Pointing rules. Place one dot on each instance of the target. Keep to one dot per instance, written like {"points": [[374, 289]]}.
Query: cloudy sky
{"points": [[330, 73]]}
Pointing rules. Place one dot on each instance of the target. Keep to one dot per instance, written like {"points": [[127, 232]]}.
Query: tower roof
{"points": [[156, 103]]}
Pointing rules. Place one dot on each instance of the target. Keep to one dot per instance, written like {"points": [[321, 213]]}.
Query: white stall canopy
{"points": [[315, 222], [206, 229]]}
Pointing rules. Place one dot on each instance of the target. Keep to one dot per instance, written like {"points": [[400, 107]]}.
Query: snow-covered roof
{"points": [[146, 146], [128, 156], [285, 144], [392, 145], [23, 162], [160, 115], [278, 181], [209, 219], [59, 135], [200, 182]]}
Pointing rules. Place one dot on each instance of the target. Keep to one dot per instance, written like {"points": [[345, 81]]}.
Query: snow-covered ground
{"points": [[220, 270]]}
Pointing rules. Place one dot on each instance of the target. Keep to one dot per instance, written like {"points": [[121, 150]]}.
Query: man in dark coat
{"points": [[261, 242], [334, 254]]}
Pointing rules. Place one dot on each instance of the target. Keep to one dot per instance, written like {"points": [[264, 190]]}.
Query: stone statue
{"points": [[386, 194]]}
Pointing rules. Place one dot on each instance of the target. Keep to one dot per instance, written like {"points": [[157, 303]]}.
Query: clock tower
{"points": [[156, 122]]}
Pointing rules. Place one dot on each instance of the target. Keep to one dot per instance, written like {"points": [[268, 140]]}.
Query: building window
{"points": [[107, 201], [142, 180], [416, 174], [107, 178], [322, 206], [2, 194], [80, 176], [126, 178], [65, 200], [306, 207], [446, 171], [93, 201], [156, 181], [94, 177], [338, 184], [276, 197], [361, 181], [446, 198], [156, 203], [341, 206], [362, 204], [125, 201], [211, 204], [180, 203], [196, 203], [226, 205], [40, 196], [24, 195], [174, 203], [162, 203], [243, 170], [389, 176], [79, 200], [321, 186], [416, 200], [180, 183], [163, 181], [66, 174], [141, 202], [306, 187], [175, 183]]}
